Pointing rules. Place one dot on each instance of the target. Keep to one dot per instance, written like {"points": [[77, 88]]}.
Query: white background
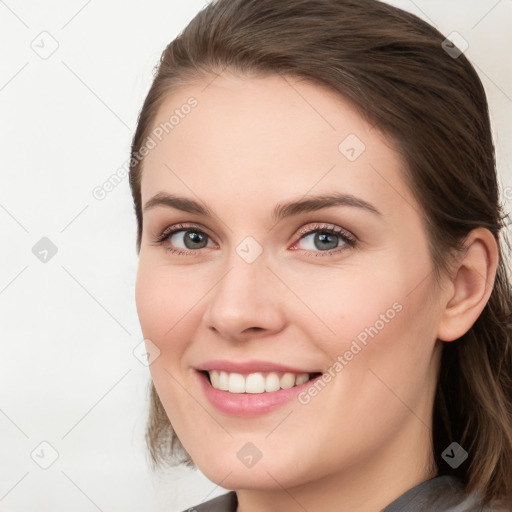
{"points": [[68, 373]]}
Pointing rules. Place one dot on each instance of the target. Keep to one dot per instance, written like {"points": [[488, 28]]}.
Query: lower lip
{"points": [[250, 404]]}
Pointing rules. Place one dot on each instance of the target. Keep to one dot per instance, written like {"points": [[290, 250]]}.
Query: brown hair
{"points": [[394, 69]]}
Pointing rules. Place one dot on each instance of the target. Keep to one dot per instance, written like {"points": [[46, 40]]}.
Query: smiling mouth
{"points": [[256, 383]]}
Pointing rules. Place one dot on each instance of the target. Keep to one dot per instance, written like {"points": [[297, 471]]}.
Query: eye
{"points": [[184, 239], [325, 239], [319, 239]]}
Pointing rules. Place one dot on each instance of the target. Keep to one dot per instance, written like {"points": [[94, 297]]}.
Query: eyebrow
{"points": [[280, 211]]}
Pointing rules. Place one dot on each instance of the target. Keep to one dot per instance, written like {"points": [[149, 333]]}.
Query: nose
{"points": [[247, 302]]}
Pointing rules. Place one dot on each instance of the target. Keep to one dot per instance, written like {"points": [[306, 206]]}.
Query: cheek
{"points": [[375, 317], [388, 297], [345, 302], [150, 299], [165, 302], [387, 337], [165, 299]]}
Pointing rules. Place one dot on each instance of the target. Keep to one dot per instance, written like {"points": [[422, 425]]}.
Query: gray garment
{"points": [[439, 494]]}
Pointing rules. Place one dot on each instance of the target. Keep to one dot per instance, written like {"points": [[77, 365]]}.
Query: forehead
{"points": [[254, 139]]}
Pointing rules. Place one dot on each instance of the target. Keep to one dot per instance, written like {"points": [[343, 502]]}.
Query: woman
{"points": [[321, 283]]}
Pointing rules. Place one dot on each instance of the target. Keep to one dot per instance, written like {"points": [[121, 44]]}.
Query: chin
{"points": [[271, 472], [235, 478]]}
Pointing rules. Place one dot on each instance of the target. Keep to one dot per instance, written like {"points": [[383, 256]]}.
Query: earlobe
{"points": [[471, 285]]}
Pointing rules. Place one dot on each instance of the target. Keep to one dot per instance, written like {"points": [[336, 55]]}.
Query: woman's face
{"points": [[298, 253]]}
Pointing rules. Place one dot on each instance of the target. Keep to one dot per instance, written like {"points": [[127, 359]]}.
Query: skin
{"points": [[250, 144]]}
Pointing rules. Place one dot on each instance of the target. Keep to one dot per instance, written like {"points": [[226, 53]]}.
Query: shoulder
{"points": [[444, 493], [224, 503]]}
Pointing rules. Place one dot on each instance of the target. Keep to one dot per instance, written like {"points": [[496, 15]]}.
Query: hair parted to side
{"points": [[391, 67]]}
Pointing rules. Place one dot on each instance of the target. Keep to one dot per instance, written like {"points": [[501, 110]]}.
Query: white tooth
{"points": [[300, 379], [272, 382], [214, 378], [236, 383], [255, 383], [287, 381], [223, 381]]}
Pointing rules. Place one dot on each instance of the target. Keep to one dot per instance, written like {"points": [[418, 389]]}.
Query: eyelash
{"points": [[349, 239]]}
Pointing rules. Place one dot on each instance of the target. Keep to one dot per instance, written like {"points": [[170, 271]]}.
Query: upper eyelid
{"points": [[182, 226]]}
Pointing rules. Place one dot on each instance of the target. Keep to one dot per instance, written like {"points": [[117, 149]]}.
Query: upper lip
{"points": [[249, 367]]}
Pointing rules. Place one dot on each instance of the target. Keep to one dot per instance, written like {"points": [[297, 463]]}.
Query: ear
{"points": [[471, 286]]}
